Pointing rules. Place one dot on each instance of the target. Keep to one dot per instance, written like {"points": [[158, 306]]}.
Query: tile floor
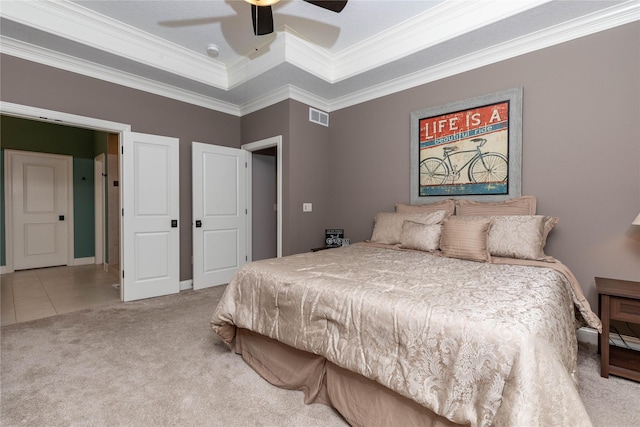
{"points": [[34, 294]]}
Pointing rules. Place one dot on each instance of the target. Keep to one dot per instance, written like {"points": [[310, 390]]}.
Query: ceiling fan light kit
{"points": [[262, 2]]}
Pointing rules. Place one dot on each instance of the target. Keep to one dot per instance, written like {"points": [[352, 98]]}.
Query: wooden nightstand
{"points": [[618, 300]]}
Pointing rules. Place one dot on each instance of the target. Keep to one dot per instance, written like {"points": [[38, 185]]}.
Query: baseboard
{"points": [[590, 336], [84, 261], [185, 285]]}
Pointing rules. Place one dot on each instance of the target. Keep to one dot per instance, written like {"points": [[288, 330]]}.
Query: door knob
{"points": [[198, 223], [60, 217], [174, 223]]}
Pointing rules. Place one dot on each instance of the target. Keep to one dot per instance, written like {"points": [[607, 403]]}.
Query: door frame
{"points": [[274, 141], [99, 196], [8, 203], [58, 117]]}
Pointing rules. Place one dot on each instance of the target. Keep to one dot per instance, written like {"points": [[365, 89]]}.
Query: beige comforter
{"points": [[478, 343]]}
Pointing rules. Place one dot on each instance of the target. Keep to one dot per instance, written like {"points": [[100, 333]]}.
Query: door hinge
{"points": [[123, 274], [246, 212], [245, 165], [121, 150], [246, 257], [122, 211]]}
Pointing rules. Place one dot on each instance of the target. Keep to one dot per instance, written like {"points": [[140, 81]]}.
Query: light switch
{"points": [[307, 207]]}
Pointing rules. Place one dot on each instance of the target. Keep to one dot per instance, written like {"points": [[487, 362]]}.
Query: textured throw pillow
{"points": [[420, 236], [448, 205], [519, 236], [388, 226], [466, 238], [549, 223], [524, 205]]}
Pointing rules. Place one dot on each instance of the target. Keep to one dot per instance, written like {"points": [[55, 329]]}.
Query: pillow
{"points": [[524, 205], [388, 226], [549, 223], [448, 205], [519, 236], [466, 238], [422, 237]]}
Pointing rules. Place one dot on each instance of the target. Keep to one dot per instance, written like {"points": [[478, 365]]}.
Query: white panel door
{"points": [[150, 202], [219, 213], [39, 191]]}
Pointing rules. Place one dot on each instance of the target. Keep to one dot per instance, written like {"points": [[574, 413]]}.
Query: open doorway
{"points": [[264, 222], [83, 281], [35, 142], [266, 165]]}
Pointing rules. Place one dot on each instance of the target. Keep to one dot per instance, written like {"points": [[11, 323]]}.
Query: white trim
{"points": [[591, 336], [289, 47], [275, 141], [83, 261], [41, 114], [445, 21], [99, 203], [40, 55], [587, 335], [283, 94], [8, 224], [186, 285], [616, 16], [74, 22]]}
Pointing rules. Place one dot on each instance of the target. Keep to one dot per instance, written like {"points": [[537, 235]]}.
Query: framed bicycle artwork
{"points": [[468, 149]]}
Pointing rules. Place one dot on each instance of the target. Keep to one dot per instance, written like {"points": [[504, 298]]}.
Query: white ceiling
{"points": [[328, 60]]}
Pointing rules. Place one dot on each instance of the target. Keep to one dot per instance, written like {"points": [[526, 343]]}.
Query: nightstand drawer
{"points": [[625, 309]]}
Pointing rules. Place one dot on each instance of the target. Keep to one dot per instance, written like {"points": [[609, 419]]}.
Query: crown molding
{"points": [[305, 56], [282, 94], [50, 58], [74, 22], [624, 13], [265, 57], [308, 56], [445, 21]]}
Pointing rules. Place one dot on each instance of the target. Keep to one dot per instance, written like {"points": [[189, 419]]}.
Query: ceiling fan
{"points": [[262, 16]]}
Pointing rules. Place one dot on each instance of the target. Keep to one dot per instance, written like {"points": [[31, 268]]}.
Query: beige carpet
{"points": [[157, 363]]}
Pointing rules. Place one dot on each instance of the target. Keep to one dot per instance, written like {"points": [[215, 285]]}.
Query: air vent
{"points": [[319, 117]]}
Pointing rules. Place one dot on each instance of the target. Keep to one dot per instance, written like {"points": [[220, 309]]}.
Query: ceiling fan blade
{"points": [[334, 6], [262, 18]]}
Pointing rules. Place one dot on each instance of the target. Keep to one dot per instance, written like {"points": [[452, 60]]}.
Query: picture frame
{"points": [[470, 149]]}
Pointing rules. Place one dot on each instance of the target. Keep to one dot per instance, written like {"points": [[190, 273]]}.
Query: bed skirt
{"points": [[361, 401]]}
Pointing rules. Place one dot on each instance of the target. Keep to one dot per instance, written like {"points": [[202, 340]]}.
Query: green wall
{"points": [[83, 145], [83, 212], [3, 257]]}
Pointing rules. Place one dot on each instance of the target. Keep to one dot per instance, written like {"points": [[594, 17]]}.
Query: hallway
{"points": [[34, 294]]}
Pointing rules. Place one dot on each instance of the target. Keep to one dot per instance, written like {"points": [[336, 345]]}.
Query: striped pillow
{"points": [[523, 205], [466, 238]]}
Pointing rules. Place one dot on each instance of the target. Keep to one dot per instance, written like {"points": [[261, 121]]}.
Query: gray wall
{"points": [[581, 148], [35, 85], [305, 156], [264, 221]]}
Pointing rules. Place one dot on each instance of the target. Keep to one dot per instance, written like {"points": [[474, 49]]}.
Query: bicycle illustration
{"points": [[483, 167]]}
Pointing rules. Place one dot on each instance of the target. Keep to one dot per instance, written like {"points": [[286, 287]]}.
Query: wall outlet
{"points": [[307, 207]]}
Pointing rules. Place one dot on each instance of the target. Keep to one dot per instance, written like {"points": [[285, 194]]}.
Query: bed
{"points": [[389, 332]]}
